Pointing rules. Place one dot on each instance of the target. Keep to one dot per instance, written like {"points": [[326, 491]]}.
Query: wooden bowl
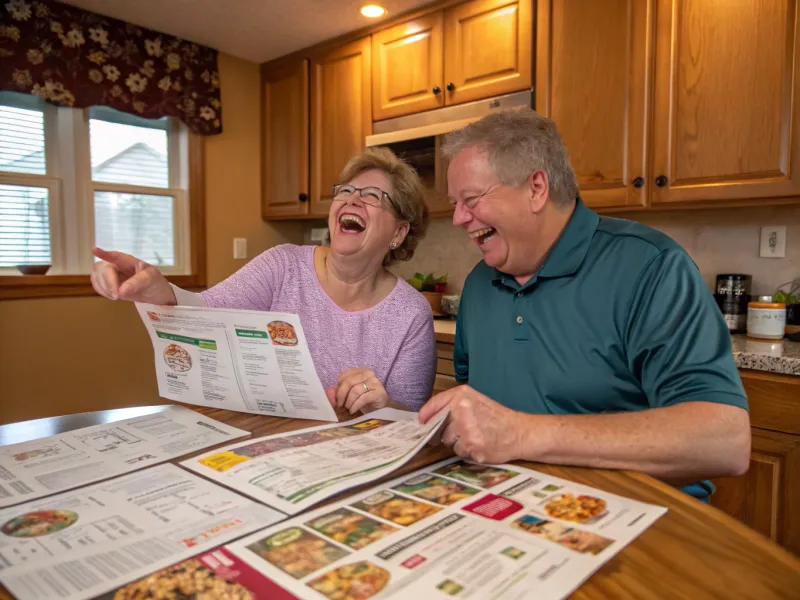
{"points": [[33, 269]]}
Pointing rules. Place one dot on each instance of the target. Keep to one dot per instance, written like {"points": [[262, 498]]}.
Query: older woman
{"points": [[369, 332]]}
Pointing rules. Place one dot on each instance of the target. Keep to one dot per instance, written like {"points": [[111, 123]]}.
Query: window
{"points": [[72, 179]]}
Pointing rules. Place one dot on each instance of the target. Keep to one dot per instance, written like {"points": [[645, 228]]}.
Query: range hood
{"points": [[442, 120]]}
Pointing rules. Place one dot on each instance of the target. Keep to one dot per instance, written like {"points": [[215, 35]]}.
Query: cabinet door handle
{"points": [[437, 89], [303, 197], [638, 182], [450, 86], [661, 180]]}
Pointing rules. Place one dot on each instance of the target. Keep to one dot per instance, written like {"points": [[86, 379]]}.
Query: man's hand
{"points": [[358, 389], [120, 276], [478, 427]]}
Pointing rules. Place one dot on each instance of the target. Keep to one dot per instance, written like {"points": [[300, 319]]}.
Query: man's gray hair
{"points": [[517, 143]]}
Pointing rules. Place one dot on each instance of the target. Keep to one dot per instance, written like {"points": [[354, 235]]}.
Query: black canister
{"points": [[732, 295]]}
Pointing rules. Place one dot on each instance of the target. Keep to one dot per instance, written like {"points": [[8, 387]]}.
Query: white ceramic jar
{"points": [[766, 320]]}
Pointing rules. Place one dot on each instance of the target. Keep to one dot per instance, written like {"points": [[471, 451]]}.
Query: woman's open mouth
{"points": [[350, 223], [481, 236]]}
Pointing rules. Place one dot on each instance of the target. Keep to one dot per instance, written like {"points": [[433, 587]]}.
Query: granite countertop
{"points": [[761, 355], [778, 356]]}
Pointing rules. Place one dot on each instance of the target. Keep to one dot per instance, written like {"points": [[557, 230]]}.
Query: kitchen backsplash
{"points": [[719, 240]]}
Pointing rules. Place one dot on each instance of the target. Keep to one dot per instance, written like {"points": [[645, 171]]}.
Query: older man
{"points": [[582, 340]]}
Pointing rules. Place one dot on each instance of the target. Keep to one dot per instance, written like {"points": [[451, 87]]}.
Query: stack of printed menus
{"points": [[98, 513]]}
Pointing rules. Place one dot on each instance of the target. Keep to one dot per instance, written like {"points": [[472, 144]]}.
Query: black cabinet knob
{"points": [[661, 180], [303, 197], [437, 89], [638, 182], [450, 86]]}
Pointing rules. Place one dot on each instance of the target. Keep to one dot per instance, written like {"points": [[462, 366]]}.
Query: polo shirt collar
{"points": [[570, 248]]}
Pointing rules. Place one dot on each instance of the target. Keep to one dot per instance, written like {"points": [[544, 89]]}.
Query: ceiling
{"points": [[258, 30]]}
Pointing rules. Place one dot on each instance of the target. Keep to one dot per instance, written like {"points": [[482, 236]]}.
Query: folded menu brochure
{"points": [[240, 360], [294, 471]]}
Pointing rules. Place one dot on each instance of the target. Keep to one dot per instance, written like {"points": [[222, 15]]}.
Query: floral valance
{"points": [[72, 57]]}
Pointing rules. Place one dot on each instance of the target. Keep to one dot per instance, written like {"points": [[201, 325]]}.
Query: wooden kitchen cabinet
{"points": [[767, 496], [487, 49], [284, 140], [467, 52], [593, 68], [726, 101], [341, 116], [407, 68]]}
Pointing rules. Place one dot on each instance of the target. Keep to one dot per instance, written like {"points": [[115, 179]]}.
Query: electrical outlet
{"points": [[239, 247], [773, 242]]}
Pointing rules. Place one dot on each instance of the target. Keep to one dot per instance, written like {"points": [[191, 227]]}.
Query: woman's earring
{"points": [[393, 245]]}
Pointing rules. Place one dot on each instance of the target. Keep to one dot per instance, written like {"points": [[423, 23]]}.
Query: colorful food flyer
{"points": [[294, 471], [68, 460], [241, 360], [431, 535], [109, 533]]}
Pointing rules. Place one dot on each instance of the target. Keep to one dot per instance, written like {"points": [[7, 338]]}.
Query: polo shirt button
{"points": [[519, 320], [519, 294]]}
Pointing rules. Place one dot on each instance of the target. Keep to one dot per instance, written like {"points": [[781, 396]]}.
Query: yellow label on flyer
{"points": [[223, 461]]}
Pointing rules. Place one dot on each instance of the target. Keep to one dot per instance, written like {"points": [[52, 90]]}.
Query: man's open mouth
{"points": [[350, 223], [482, 235]]}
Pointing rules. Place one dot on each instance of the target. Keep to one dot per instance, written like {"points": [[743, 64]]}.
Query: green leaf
{"points": [[779, 296]]}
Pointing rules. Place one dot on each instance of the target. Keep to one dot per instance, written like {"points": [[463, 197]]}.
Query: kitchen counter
{"points": [[773, 357], [445, 330], [780, 356]]}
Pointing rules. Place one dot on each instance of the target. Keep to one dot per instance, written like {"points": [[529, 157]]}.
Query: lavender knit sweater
{"points": [[393, 338]]}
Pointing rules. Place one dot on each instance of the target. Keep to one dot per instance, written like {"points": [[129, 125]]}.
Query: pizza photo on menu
{"points": [[177, 358], [357, 581], [578, 509], [41, 522], [282, 333]]}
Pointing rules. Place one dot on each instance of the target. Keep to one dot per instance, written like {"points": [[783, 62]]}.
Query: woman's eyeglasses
{"points": [[369, 195]]}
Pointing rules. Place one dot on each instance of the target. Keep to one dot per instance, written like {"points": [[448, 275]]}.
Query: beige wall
{"points": [[719, 241], [67, 355]]}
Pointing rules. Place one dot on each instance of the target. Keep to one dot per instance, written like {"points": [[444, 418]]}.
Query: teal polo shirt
{"points": [[618, 318]]}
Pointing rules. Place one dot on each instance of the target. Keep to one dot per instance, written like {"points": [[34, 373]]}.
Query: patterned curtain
{"points": [[71, 57]]}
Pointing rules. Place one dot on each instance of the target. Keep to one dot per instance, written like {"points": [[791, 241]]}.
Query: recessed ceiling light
{"points": [[373, 11]]}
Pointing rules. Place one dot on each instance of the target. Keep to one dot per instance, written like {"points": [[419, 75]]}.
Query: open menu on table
{"points": [[241, 360], [68, 460], [86, 542], [294, 471], [452, 530]]}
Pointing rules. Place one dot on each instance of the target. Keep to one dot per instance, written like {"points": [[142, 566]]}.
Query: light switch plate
{"points": [[239, 247], [773, 241]]}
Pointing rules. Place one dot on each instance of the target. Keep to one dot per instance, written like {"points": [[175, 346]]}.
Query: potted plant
{"points": [[789, 294], [432, 288]]}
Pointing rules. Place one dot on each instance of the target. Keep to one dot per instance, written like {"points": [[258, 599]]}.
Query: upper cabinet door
{"points": [[726, 101], [285, 141], [593, 72], [487, 49], [407, 68], [341, 116]]}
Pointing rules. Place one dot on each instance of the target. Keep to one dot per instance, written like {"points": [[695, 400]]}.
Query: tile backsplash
{"points": [[721, 240]]}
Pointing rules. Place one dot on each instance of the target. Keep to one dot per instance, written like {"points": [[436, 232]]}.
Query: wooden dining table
{"points": [[694, 551]]}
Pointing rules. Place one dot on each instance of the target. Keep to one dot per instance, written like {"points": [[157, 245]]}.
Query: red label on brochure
{"points": [[413, 561], [226, 565], [494, 507]]}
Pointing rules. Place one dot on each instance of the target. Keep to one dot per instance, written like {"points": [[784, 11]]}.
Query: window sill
{"points": [[18, 287]]}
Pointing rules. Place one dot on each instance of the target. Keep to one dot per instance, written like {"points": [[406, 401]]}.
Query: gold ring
{"points": [[366, 389]]}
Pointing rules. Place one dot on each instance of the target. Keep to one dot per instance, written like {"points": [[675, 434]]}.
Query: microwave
{"points": [[417, 138]]}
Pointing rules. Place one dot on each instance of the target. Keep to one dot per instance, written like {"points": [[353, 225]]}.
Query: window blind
{"points": [[22, 140], [24, 225]]}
